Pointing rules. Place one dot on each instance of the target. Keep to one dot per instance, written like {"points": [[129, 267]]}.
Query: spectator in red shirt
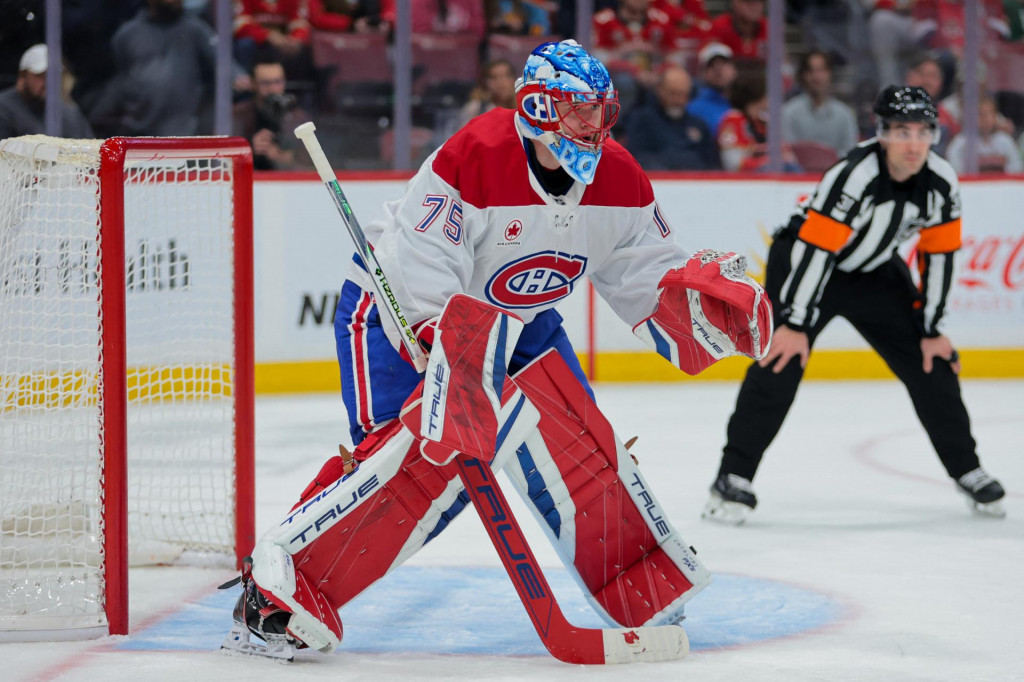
{"points": [[274, 30], [689, 18], [633, 38], [743, 132], [947, 17], [441, 16], [282, 25], [744, 29], [632, 41]]}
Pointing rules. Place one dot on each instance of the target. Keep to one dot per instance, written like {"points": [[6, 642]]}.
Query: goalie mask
{"points": [[566, 101]]}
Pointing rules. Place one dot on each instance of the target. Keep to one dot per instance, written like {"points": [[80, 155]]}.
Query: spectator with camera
{"points": [[267, 119]]}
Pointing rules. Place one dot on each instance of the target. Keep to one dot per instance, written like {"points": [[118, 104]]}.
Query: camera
{"points": [[274, 107]]}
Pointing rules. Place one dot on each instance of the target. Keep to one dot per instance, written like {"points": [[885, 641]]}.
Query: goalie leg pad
{"points": [[347, 533], [314, 620], [579, 480], [465, 379], [597, 508]]}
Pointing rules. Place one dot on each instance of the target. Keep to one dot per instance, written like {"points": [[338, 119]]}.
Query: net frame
{"points": [[114, 156]]}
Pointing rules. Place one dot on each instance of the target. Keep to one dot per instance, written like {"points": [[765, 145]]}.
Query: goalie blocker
{"points": [[541, 427]]}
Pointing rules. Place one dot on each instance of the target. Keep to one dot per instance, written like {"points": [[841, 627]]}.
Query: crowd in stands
{"points": [[690, 73]]}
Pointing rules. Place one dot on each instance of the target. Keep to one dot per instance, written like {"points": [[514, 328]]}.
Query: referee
{"points": [[837, 256]]}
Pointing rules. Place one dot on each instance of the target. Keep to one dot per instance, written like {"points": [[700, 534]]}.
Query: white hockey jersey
{"points": [[475, 220]]}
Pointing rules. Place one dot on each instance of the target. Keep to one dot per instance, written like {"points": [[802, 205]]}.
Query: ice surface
{"points": [[860, 563]]}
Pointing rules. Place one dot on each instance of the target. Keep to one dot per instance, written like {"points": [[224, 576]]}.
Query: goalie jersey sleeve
{"points": [[856, 220], [475, 220]]}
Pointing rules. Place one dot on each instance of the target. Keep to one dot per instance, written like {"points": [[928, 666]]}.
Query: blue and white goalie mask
{"points": [[565, 99]]}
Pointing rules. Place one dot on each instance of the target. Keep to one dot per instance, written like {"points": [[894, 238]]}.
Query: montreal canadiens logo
{"points": [[535, 280], [514, 229]]}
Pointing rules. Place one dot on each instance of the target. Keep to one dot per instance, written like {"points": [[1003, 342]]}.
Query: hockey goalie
{"points": [[498, 226]]}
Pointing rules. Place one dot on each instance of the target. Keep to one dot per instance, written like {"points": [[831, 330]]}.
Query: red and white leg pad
{"points": [[350, 530], [464, 385], [596, 506], [314, 620], [581, 483]]}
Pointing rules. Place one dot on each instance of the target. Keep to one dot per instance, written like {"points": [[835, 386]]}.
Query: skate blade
{"points": [[993, 510], [724, 512], [238, 643]]}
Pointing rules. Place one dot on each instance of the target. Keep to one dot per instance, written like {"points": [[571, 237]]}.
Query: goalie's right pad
{"points": [[707, 310], [349, 529]]}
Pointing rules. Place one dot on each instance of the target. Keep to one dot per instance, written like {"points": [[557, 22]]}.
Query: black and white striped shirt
{"points": [[855, 221]]}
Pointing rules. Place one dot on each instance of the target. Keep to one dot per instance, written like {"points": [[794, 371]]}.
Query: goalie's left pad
{"points": [[708, 309], [597, 508]]}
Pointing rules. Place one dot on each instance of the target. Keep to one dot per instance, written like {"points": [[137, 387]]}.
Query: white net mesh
{"points": [[180, 349]]}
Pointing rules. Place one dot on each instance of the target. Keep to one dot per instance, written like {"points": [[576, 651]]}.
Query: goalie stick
{"points": [[307, 134], [564, 641]]}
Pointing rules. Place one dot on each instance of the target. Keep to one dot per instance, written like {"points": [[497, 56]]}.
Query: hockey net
{"points": [[125, 371]]}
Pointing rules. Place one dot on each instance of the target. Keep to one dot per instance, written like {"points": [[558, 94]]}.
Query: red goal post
{"points": [[126, 371]]}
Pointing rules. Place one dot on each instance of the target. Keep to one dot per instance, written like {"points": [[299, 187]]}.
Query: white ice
{"points": [[854, 507]]}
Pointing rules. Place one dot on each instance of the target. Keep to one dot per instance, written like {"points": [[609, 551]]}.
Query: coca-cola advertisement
{"points": [[986, 304], [991, 272]]}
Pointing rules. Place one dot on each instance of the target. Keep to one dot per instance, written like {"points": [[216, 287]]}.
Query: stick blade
{"points": [[645, 645]]}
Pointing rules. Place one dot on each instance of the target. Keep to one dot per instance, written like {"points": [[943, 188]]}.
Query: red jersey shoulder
{"points": [[619, 180], [486, 163], [723, 30], [733, 130]]}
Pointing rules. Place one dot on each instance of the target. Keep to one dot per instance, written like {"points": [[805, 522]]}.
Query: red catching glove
{"points": [[707, 310]]}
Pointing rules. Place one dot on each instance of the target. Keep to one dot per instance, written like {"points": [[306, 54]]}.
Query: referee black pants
{"points": [[879, 305]]}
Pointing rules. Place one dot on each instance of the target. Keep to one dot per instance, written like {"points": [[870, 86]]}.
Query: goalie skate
{"points": [[732, 500], [254, 614], [277, 647], [983, 493]]}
